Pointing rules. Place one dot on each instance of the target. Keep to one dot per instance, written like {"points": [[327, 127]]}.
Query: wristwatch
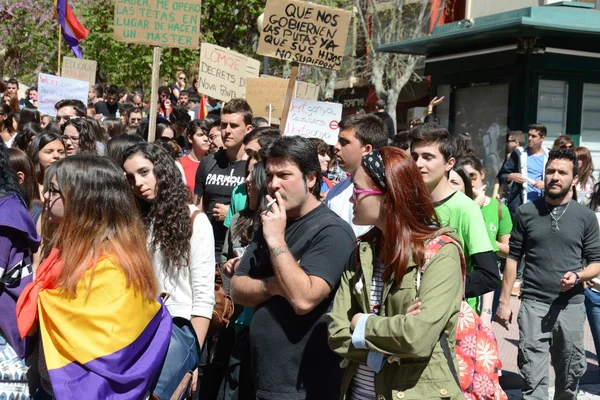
{"points": [[577, 278]]}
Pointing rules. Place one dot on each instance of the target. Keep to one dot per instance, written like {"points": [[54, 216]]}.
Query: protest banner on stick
{"points": [[158, 22], [222, 72], [305, 33], [262, 92], [154, 95], [52, 89], [75, 68], [317, 119], [288, 96]]}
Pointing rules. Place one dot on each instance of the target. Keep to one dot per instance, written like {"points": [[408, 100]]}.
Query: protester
{"points": [[385, 117], [214, 135], [585, 179], [592, 292], [182, 251], [183, 98], [7, 128], [526, 169], [12, 99], [218, 174], [134, 117], [322, 150], [164, 103], [45, 149], [291, 297], [24, 171], [110, 106], [402, 141], [373, 320], [178, 87], [514, 140], [433, 149], [563, 141], [12, 86], [554, 233], [18, 242], [197, 136], [359, 135], [179, 123], [68, 109], [29, 115], [459, 179], [79, 137], [96, 273]]}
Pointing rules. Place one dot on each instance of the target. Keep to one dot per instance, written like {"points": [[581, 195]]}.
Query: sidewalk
{"points": [[508, 342]]}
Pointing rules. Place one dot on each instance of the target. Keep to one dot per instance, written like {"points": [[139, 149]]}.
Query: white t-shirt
{"points": [[338, 201], [191, 288]]}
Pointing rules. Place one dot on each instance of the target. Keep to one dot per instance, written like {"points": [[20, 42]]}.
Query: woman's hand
{"points": [[414, 309]]}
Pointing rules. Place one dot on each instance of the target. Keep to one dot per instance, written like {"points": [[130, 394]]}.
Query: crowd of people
{"points": [[299, 270]]}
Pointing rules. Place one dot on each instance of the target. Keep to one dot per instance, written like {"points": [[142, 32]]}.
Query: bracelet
{"points": [[265, 289], [487, 311]]}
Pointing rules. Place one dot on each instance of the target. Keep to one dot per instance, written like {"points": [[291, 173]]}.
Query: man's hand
{"points": [[230, 266], [504, 315], [516, 177], [539, 185], [220, 211], [436, 101], [274, 221], [480, 195], [568, 281]]}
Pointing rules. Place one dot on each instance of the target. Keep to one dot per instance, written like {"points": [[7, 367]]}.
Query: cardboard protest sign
{"points": [[75, 68], [52, 89], [314, 119], [260, 92], [252, 71], [222, 72], [158, 22], [307, 91], [306, 33]]}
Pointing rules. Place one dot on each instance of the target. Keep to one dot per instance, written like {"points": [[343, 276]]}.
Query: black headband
{"points": [[374, 166]]}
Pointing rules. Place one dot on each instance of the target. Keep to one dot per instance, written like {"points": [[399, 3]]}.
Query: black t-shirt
{"points": [[216, 178], [290, 356], [108, 110]]}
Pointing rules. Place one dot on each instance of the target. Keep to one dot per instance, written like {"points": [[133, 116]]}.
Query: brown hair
{"points": [[562, 141], [587, 165], [100, 218], [20, 162]]}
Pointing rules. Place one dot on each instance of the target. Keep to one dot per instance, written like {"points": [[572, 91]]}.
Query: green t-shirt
{"points": [[464, 216], [239, 200], [495, 227]]}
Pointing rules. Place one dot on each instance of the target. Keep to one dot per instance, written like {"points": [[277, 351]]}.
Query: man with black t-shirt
{"points": [[109, 107], [290, 273], [219, 173]]}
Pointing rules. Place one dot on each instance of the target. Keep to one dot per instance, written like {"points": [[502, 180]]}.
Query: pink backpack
{"points": [[476, 347]]}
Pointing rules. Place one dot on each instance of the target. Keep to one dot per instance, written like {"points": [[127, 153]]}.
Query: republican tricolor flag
{"points": [[72, 30]]}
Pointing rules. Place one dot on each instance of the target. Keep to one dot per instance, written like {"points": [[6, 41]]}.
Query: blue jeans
{"points": [[592, 309]]}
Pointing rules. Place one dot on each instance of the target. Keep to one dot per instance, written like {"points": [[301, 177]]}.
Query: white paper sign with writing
{"points": [[52, 89], [222, 72], [317, 119]]}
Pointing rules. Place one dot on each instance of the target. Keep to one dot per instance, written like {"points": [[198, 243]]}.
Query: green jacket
{"points": [[419, 369]]}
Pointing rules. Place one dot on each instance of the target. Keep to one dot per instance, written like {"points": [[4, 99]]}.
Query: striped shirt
{"points": [[363, 382]]}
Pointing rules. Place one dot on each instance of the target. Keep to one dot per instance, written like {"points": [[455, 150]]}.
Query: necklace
{"points": [[554, 219]]}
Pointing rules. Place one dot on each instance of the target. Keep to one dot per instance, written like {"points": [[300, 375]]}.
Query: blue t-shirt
{"points": [[535, 168]]}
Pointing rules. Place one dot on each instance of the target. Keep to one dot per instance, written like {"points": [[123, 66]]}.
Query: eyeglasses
{"points": [[65, 118], [73, 139], [182, 78], [53, 192], [356, 192], [135, 119]]}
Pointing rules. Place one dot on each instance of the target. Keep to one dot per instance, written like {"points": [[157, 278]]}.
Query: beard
{"points": [[557, 195]]}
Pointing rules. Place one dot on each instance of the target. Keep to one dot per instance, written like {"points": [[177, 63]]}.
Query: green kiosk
{"points": [[502, 72]]}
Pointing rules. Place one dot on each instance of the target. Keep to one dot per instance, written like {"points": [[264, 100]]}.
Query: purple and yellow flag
{"points": [[72, 30], [106, 343]]}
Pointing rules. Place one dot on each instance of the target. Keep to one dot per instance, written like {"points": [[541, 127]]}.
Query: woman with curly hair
{"points": [[180, 237]]}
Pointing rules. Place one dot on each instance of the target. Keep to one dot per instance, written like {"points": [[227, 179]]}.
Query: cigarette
{"points": [[271, 203]]}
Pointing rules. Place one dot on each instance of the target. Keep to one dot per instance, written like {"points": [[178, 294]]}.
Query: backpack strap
{"points": [[448, 355], [499, 211], [431, 250]]}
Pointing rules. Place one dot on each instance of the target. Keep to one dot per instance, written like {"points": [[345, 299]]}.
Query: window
{"points": [[552, 108]]}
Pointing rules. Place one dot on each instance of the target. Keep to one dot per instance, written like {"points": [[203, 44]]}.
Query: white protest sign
{"points": [[314, 119], [52, 89], [222, 72], [79, 69]]}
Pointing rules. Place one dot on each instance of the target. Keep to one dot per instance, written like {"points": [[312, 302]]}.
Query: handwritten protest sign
{"points": [[306, 33], [75, 68], [260, 92], [314, 119], [252, 71], [52, 89], [158, 22], [222, 72]]}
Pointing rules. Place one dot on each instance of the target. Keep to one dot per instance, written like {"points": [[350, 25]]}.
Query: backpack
{"points": [[476, 347]]}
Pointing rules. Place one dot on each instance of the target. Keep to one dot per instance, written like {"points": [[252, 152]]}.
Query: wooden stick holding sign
{"points": [[154, 95], [288, 96]]}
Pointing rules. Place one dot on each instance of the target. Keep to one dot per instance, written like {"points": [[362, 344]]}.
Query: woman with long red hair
{"points": [[373, 316]]}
